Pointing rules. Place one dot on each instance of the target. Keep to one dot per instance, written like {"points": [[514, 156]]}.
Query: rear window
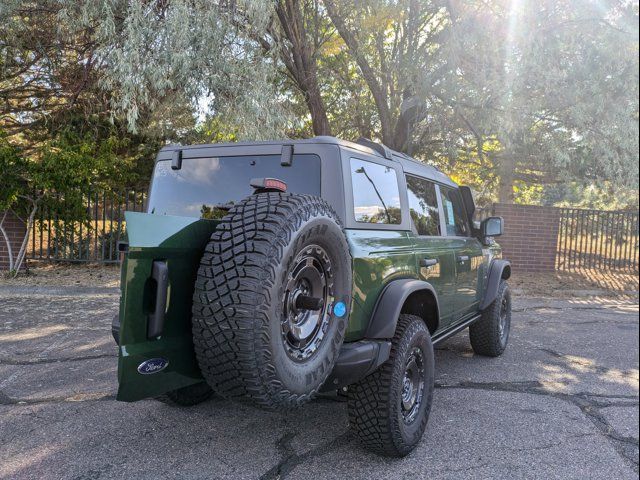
{"points": [[207, 187]]}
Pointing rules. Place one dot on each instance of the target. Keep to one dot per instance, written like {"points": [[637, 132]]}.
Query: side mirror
{"points": [[492, 227]]}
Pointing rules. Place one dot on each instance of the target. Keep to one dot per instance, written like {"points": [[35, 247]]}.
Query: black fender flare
{"points": [[498, 270], [389, 306]]}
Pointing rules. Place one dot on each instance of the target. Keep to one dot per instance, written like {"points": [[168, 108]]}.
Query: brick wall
{"points": [[15, 230], [530, 238]]}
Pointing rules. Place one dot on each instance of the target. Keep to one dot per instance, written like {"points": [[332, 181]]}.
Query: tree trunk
{"points": [[368, 73], [506, 172], [402, 132], [22, 253], [7, 241], [299, 57], [313, 99], [411, 110]]}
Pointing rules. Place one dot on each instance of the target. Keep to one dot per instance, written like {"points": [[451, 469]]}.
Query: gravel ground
{"points": [[562, 402]]}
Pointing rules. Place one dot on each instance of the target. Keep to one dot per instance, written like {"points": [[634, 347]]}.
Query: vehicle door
{"points": [[435, 259], [467, 251], [377, 229]]}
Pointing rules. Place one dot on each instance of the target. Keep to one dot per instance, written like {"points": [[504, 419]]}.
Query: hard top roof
{"points": [[409, 164]]}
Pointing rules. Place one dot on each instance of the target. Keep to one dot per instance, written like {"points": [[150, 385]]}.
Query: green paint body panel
{"points": [[441, 276], [180, 242], [379, 257]]}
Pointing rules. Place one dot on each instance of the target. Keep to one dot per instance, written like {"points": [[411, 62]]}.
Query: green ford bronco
{"points": [[276, 270]]}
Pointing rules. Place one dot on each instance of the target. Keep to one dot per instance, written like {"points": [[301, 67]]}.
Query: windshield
{"points": [[208, 187]]}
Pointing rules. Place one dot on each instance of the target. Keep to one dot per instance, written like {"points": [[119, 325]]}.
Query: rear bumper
{"points": [[356, 361]]}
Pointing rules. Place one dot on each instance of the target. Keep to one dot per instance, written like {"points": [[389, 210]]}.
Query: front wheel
{"points": [[490, 334], [389, 409]]}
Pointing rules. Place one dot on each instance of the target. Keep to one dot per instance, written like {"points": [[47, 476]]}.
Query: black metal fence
{"points": [[587, 239], [597, 239], [591, 239], [93, 237]]}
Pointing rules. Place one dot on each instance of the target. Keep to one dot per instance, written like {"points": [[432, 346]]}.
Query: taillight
{"points": [[268, 185]]}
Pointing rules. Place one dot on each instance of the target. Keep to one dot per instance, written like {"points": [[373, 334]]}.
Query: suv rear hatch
{"points": [[157, 278], [164, 249]]}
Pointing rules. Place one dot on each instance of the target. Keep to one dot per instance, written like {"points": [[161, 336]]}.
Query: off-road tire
{"points": [[187, 396], [238, 299], [486, 335], [374, 403]]}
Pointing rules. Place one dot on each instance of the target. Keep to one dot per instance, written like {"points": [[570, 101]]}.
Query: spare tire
{"points": [[271, 299]]}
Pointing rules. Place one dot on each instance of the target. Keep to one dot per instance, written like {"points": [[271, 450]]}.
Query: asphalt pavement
{"points": [[562, 402]]}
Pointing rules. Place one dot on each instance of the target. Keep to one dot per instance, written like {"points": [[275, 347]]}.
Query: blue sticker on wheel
{"points": [[339, 309]]}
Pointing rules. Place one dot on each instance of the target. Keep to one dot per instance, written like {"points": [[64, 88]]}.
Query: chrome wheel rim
{"points": [[412, 386], [307, 296]]}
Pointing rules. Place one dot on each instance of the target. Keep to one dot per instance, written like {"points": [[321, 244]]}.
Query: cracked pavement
{"points": [[562, 402]]}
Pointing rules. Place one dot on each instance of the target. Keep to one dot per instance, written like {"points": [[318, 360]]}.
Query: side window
{"points": [[423, 205], [455, 217], [376, 197]]}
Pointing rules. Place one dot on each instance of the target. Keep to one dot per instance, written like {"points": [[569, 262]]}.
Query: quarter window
{"points": [[423, 205], [455, 217], [376, 197]]}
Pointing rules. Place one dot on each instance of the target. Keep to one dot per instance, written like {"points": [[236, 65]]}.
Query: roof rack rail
{"points": [[382, 149]]}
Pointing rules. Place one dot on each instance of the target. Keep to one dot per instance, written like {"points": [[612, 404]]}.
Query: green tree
{"points": [[397, 49], [58, 179], [555, 83], [144, 56], [50, 84], [186, 50], [513, 97]]}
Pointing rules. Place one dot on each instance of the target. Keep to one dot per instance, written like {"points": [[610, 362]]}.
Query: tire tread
{"points": [[483, 334], [368, 400], [230, 321]]}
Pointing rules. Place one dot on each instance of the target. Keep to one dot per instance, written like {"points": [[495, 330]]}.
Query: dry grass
{"points": [[579, 283], [605, 247], [556, 284], [66, 275]]}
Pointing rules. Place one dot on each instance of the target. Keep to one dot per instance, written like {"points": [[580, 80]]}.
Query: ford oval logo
{"points": [[153, 365]]}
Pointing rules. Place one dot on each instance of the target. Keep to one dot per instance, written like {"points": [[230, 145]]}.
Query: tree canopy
{"points": [[525, 101]]}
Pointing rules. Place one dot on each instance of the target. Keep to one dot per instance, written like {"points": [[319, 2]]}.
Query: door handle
{"points": [[463, 258], [160, 273], [428, 262]]}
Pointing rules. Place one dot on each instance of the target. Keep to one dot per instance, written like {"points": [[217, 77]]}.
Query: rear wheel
{"points": [[271, 299], [389, 409], [490, 334]]}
